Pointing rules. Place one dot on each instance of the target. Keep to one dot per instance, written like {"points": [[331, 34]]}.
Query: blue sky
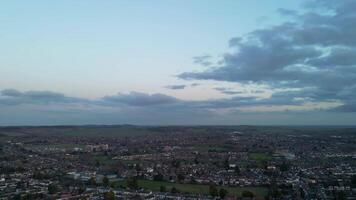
{"points": [[80, 62]]}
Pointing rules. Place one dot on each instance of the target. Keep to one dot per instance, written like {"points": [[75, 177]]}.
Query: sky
{"points": [[172, 62]]}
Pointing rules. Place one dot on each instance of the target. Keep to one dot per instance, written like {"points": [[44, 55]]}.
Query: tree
{"points": [[176, 163], [132, 183], [81, 189], [97, 163], [247, 193], [180, 177], [222, 193], [274, 190], [17, 197], [341, 196], [213, 191], [109, 195], [237, 170], [39, 175], [92, 180], [21, 185], [162, 188], [106, 181], [158, 177], [226, 163], [52, 189], [138, 167], [174, 190], [353, 181], [196, 161], [284, 167]]}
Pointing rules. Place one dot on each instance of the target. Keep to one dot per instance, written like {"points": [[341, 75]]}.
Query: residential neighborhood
{"points": [[178, 163]]}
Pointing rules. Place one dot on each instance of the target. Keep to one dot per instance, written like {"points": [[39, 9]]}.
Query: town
{"points": [[177, 162]]}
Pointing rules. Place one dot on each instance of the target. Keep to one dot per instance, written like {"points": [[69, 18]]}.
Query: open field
{"points": [[210, 148], [65, 147], [102, 159], [260, 156], [195, 188]]}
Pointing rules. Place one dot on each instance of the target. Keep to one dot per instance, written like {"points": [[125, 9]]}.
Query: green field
{"points": [[130, 162], [103, 159], [104, 132], [54, 146], [195, 188], [207, 148], [260, 156]]}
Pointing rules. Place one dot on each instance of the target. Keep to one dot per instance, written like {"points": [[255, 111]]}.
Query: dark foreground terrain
{"points": [[177, 162]]}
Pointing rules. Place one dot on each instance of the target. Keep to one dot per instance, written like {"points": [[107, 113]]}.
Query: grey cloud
{"points": [[235, 41], [143, 100], [10, 93], [15, 97], [314, 52], [241, 102], [287, 12], [257, 91], [44, 95], [227, 91], [139, 99], [336, 57], [349, 107], [203, 60], [139, 108], [262, 19], [176, 87]]}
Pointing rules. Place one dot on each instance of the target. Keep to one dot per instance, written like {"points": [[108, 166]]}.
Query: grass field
{"points": [[130, 162], [104, 132], [103, 159], [259, 156], [54, 146], [207, 148], [196, 188]]}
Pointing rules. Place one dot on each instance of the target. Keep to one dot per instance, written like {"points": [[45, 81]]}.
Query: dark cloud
{"points": [[313, 52], [277, 99], [144, 100], [227, 91], [337, 57], [257, 91], [203, 60], [350, 107], [15, 97], [176, 87], [230, 91], [262, 19], [235, 41], [139, 99], [38, 107], [287, 12], [11, 93]]}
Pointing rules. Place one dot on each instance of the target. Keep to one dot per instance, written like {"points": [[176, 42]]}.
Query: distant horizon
{"points": [[177, 125]]}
